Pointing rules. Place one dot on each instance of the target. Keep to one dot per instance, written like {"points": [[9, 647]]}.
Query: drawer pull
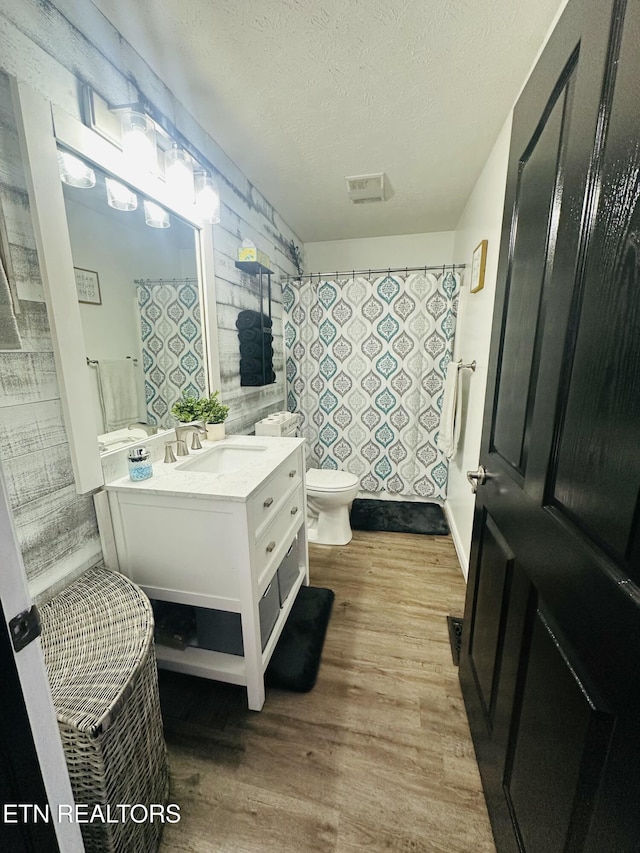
{"points": [[293, 473], [294, 510], [270, 547], [268, 502]]}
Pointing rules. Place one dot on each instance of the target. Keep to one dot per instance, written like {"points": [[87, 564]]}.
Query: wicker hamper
{"points": [[97, 637]]}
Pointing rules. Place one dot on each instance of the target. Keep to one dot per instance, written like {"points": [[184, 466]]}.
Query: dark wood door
{"points": [[20, 777], [550, 664]]}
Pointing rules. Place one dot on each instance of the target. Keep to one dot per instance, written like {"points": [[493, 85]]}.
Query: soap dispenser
{"points": [[140, 467]]}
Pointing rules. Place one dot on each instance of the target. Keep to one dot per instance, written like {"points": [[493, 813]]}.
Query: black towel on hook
{"points": [[250, 350], [253, 320], [254, 365], [256, 336], [255, 379]]}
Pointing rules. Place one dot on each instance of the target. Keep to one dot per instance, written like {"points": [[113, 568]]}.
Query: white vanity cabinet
{"points": [[217, 540]]}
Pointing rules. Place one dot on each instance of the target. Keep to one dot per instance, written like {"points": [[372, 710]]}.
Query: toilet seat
{"points": [[330, 480]]}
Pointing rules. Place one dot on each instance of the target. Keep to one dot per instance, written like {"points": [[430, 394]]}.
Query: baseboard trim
{"points": [[457, 541]]}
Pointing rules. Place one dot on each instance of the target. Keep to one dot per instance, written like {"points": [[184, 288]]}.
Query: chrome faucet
{"points": [[183, 430], [148, 428]]}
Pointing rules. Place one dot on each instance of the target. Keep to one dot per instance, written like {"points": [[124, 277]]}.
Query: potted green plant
{"points": [[214, 414], [187, 409]]}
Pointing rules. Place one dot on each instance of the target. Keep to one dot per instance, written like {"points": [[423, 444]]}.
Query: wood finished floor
{"points": [[377, 757]]}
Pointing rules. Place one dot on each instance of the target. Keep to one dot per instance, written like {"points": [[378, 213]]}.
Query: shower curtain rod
{"points": [[388, 270], [164, 280]]}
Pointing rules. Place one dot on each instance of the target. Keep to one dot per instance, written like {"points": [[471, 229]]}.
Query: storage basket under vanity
{"points": [[97, 637]]}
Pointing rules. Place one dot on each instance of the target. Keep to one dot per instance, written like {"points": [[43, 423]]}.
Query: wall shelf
{"points": [[253, 268]]}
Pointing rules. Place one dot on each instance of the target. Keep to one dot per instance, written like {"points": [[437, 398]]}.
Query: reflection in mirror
{"points": [[136, 271]]}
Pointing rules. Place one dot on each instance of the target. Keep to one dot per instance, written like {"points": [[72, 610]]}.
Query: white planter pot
{"points": [[215, 432]]}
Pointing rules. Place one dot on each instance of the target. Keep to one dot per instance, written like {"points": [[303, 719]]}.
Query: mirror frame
{"points": [[42, 126]]}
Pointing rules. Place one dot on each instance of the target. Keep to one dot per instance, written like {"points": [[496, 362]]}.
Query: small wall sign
{"points": [[88, 286], [477, 266]]}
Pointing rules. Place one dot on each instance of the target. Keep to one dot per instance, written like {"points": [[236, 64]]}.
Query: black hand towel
{"points": [[253, 365], [253, 320], [256, 336], [255, 379], [250, 350]]}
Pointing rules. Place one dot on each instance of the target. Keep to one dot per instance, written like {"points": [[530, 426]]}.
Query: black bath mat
{"points": [[454, 623], [398, 517], [296, 658]]}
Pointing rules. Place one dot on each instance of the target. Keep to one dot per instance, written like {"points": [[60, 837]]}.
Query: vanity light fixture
{"points": [[119, 196], [74, 171], [178, 173], [156, 216], [207, 198], [139, 140]]}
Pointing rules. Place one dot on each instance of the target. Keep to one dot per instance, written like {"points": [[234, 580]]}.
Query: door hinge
{"points": [[24, 628]]}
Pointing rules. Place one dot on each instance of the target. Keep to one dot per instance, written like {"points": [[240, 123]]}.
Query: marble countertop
{"points": [[171, 479]]}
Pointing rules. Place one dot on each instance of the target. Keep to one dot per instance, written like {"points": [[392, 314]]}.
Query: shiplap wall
{"points": [[56, 528], [55, 49]]}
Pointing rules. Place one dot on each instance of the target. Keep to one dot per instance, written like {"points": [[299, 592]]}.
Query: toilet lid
{"points": [[329, 480]]}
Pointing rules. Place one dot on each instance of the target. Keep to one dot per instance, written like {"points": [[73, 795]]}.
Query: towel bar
{"points": [[470, 366], [92, 362]]}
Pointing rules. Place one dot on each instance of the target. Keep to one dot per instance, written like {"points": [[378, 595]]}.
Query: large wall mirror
{"points": [[136, 271], [128, 277]]}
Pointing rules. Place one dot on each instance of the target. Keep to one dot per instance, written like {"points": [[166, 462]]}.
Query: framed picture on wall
{"points": [[88, 286], [477, 266]]}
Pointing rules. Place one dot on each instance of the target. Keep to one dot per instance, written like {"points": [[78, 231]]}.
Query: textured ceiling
{"points": [[301, 93]]}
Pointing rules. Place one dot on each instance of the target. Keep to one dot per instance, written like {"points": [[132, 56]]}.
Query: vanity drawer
{"points": [[267, 500], [220, 631], [276, 538], [288, 572]]}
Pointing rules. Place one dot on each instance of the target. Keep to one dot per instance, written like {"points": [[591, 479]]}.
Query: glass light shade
{"points": [[119, 196], [178, 173], [74, 171], [139, 140], [156, 216], [207, 198]]}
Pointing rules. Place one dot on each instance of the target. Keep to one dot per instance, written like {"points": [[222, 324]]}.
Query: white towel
{"points": [[451, 416], [118, 394]]}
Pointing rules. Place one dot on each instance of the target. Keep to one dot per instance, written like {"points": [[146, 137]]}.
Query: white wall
{"points": [[480, 220], [402, 250]]}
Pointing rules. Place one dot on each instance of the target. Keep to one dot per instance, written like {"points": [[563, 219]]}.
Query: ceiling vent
{"points": [[362, 189]]}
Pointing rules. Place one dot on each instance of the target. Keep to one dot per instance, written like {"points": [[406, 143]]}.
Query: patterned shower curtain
{"points": [[366, 362], [172, 348]]}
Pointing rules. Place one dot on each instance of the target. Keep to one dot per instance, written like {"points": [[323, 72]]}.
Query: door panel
{"points": [[559, 738], [551, 689], [486, 640], [595, 487], [538, 196]]}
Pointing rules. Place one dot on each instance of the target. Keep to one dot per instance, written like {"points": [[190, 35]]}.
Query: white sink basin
{"points": [[224, 459]]}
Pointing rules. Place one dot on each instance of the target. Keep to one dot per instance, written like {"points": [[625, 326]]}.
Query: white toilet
{"points": [[330, 494]]}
